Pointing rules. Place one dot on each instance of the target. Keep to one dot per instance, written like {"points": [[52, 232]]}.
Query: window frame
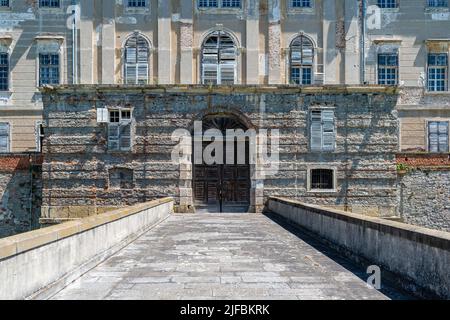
{"points": [[120, 123], [218, 64], [322, 149], [219, 7], [428, 7], [50, 7], [60, 70], [302, 65], [437, 67], [9, 139], [388, 67], [310, 170], [6, 7], [137, 64], [396, 7], [428, 136], [8, 80]]}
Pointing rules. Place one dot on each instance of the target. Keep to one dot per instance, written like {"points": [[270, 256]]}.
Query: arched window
{"points": [[301, 61], [136, 60], [219, 59]]}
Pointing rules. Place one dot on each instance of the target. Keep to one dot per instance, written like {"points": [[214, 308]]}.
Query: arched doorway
{"points": [[225, 186]]}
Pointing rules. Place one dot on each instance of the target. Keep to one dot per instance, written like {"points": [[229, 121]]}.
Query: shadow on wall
{"points": [[20, 193]]}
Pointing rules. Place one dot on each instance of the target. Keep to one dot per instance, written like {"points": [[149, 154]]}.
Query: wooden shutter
{"points": [[4, 137], [113, 136], [316, 131], [125, 136], [209, 74], [433, 132], [142, 73], [443, 136], [227, 73], [329, 136]]}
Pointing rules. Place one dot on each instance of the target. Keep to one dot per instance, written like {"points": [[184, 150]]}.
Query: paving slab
{"points": [[231, 256]]}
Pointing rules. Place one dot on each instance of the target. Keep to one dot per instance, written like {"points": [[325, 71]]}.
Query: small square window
{"points": [[4, 3], [387, 4], [322, 179], [301, 3], [437, 3]]}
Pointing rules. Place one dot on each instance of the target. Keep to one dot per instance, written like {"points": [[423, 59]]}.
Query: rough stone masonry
{"points": [[78, 166]]}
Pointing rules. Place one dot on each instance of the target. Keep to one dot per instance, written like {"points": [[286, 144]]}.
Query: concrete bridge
{"points": [[295, 252]]}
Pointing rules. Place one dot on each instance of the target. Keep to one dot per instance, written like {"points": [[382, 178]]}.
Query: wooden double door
{"points": [[222, 187]]}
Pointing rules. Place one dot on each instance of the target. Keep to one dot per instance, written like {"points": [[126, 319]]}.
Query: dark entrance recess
{"points": [[222, 187]]}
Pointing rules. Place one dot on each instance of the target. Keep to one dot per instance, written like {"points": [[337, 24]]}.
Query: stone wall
{"points": [[77, 160], [424, 190], [20, 189]]}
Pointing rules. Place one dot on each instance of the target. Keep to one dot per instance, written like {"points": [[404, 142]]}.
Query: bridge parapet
{"points": [[39, 263], [416, 258]]}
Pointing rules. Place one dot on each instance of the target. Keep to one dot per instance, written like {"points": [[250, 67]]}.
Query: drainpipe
{"points": [[363, 41], [74, 44]]}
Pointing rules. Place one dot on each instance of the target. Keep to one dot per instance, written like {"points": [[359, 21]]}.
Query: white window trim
{"points": [[137, 10], [447, 74], [321, 167], [41, 49]]}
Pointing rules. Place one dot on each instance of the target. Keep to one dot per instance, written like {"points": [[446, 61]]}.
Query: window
{"points": [[137, 3], [4, 3], [121, 178], [437, 71], [49, 3], [219, 59], [4, 72], [438, 136], [48, 69], [219, 3], [322, 179], [323, 132], [4, 137], [388, 69], [301, 61], [387, 4], [39, 135], [136, 60], [119, 130], [437, 3], [301, 3]]}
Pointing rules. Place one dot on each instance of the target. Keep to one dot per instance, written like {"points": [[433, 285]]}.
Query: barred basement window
{"points": [[437, 71], [388, 69], [48, 69], [323, 132], [136, 60], [322, 179], [4, 3], [387, 4], [4, 72], [301, 61], [119, 130], [4, 137], [49, 3], [219, 59], [438, 136], [121, 178]]}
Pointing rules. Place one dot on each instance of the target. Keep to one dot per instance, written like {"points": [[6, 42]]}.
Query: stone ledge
{"points": [[237, 89], [435, 238], [27, 241]]}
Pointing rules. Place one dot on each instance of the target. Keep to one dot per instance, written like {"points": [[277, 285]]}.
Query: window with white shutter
{"points": [[323, 130], [4, 137], [119, 130], [438, 136], [301, 61], [137, 54], [219, 59]]}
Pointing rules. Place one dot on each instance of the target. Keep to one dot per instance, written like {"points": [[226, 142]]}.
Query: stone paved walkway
{"points": [[226, 256]]}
